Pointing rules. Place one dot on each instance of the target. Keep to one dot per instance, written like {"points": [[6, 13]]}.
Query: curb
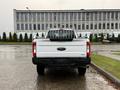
{"points": [[109, 76]]}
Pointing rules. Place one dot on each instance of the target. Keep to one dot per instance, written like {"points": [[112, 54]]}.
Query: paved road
{"points": [[18, 73], [107, 50]]}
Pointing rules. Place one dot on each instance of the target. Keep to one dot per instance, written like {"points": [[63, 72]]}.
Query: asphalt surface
{"points": [[18, 73]]}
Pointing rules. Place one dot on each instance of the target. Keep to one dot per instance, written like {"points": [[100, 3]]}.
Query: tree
{"points": [[4, 37], [15, 37], [108, 37], [95, 38], [10, 37], [37, 34], [0, 38], [20, 38], [91, 37], [118, 39], [30, 38], [102, 37], [25, 37], [113, 37], [80, 35], [42, 35]]}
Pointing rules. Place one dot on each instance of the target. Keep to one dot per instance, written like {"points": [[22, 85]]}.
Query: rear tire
{"points": [[81, 71], [40, 69]]}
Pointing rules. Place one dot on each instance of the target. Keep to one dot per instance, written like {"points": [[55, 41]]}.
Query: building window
{"points": [[26, 26], [112, 15], [42, 26], [50, 25], [70, 26], [104, 16], [30, 26], [38, 17], [62, 26], [17, 17], [46, 16], [83, 16], [116, 15], [100, 16], [75, 26], [75, 16], [79, 27], [46, 26], [108, 26], [55, 26], [116, 25], [58, 17], [91, 16], [87, 26], [91, 26], [108, 16], [30, 17], [34, 17], [54, 16], [99, 25], [67, 17], [18, 26], [22, 17], [34, 26], [50, 16], [112, 25], [63, 15], [22, 26], [95, 26], [42, 17], [38, 26], [26, 18], [79, 16], [83, 26], [95, 16], [71, 16], [87, 16], [66, 25], [103, 25], [58, 25]]}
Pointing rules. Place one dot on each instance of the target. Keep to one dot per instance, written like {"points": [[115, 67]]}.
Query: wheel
{"points": [[40, 69], [81, 71]]}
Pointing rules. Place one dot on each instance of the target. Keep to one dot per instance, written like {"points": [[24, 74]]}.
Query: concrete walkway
{"points": [[109, 54], [107, 50]]}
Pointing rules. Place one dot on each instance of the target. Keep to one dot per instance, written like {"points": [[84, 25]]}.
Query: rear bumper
{"points": [[62, 62]]}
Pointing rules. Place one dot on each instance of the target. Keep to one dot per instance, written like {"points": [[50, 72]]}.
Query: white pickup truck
{"points": [[61, 48]]}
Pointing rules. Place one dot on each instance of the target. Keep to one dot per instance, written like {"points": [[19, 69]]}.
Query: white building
{"points": [[95, 21]]}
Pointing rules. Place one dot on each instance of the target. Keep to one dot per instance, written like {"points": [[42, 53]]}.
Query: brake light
{"points": [[34, 49], [88, 49]]}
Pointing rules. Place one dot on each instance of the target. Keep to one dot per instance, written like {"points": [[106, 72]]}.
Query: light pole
{"points": [[29, 13], [30, 18]]}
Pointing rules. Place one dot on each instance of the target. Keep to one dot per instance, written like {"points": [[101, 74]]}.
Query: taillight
{"points": [[88, 49], [34, 49]]}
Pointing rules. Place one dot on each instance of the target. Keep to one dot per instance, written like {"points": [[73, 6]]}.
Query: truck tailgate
{"points": [[75, 48]]}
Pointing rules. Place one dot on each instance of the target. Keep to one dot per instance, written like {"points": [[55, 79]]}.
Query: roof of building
{"points": [[69, 10]]}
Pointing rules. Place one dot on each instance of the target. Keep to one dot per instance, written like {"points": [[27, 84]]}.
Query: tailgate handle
{"points": [[61, 48]]}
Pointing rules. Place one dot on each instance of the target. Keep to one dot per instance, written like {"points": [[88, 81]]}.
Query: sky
{"points": [[6, 8]]}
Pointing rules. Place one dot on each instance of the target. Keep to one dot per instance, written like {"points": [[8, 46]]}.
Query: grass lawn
{"points": [[15, 43], [110, 65]]}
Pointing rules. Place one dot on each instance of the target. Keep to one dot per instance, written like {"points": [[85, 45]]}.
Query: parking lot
{"points": [[18, 73]]}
